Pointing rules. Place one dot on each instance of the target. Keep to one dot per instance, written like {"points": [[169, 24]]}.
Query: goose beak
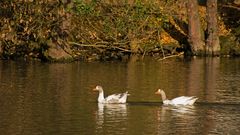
{"points": [[157, 93], [95, 89]]}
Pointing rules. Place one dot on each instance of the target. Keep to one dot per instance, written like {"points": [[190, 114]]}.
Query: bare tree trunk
{"points": [[212, 45], [196, 39]]}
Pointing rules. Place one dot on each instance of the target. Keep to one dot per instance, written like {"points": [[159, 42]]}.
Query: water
{"points": [[46, 98]]}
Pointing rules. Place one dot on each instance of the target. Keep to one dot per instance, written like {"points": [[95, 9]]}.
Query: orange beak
{"points": [[157, 93]]}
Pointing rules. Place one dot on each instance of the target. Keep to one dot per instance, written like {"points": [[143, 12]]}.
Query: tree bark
{"points": [[195, 32], [212, 44], [59, 48]]}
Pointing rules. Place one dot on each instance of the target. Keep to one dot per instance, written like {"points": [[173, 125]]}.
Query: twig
{"points": [[88, 45], [171, 56], [230, 6], [103, 46], [145, 21], [98, 29]]}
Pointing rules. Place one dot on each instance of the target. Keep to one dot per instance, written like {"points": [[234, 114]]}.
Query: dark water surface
{"points": [[57, 99]]}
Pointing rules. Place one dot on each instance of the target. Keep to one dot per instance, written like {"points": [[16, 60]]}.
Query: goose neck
{"points": [[101, 96], [164, 97]]}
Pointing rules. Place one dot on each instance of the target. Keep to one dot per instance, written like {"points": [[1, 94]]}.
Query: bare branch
{"points": [[102, 45]]}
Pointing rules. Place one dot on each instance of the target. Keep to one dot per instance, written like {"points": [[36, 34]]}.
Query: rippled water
{"points": [[53, 98]]}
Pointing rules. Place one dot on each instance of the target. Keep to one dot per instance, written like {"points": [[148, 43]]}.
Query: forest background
{"points": [[89, 30]]}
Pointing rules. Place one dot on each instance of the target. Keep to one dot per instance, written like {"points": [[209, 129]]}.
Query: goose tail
{"points": [[127, 93], [193, 100]]}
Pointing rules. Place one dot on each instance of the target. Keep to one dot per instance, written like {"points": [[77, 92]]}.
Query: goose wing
{"points": [[183, 100], [116, 98]]}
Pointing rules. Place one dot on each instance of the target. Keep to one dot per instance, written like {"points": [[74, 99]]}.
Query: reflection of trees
{"points": [[210, 78], [144, 78], [17, 94], [34, 97], [202, 77]]}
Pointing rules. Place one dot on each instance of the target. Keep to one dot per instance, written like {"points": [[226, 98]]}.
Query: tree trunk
{"points": [[59, 48], [195, 32], [212, 45]]}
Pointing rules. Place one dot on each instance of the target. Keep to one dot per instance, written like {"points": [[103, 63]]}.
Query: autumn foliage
{"points": [[94, 30]]}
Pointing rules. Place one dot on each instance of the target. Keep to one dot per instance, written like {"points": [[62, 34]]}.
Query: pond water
{"points": [[52, 98]]}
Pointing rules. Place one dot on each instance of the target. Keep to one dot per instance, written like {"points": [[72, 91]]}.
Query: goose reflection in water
{"points": [[111, 114], [180, 119], [176, 111]]}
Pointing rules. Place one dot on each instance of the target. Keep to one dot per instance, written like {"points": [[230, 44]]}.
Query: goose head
{"points": [[162, 93], [98, 88], [159, 92]]}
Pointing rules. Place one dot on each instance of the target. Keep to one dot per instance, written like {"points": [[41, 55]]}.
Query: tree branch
{"points": [[177, 55], [102, 45]]}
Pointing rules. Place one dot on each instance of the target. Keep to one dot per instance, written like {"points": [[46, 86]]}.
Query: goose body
{"points": [[183, 100], [111, 99]]}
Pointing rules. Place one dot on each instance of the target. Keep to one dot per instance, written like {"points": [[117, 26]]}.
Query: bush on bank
{"points": [[89, 29]]}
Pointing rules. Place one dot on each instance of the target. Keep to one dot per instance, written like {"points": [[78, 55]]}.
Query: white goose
{"points": [[112, 99], [183, 100]]}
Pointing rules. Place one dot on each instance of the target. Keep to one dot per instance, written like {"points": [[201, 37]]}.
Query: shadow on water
{"points": [[196, 104]]}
